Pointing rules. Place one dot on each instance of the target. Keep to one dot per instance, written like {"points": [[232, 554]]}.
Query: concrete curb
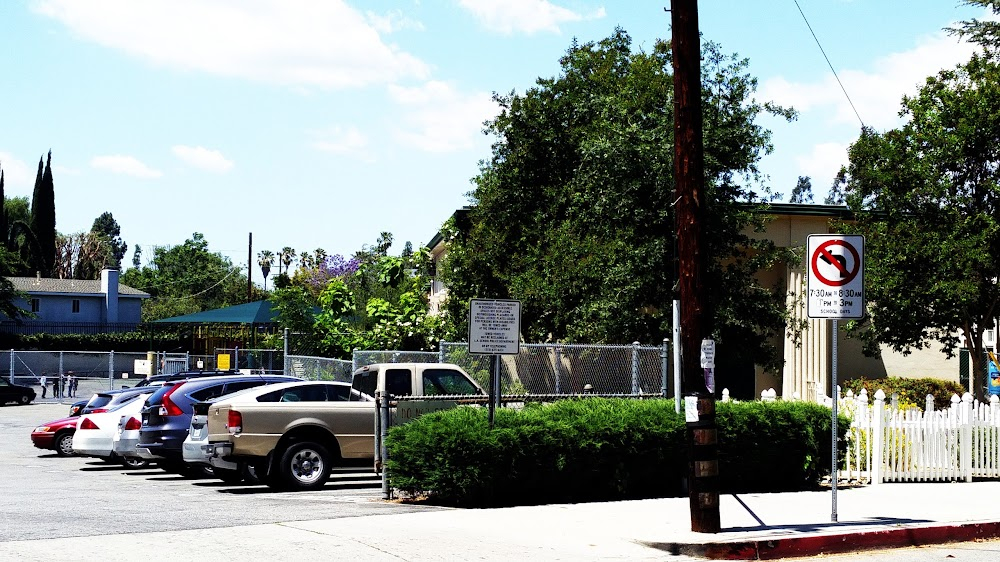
{"points": [[812, 545]]}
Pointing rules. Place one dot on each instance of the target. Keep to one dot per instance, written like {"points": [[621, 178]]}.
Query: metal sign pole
{"points": [[836, 399], [494, 393]]}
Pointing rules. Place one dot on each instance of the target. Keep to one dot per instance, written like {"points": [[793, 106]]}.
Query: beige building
{"points": [[807, 365]]}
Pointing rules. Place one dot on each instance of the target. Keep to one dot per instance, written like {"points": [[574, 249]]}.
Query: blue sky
{"points": [[321, 123]]}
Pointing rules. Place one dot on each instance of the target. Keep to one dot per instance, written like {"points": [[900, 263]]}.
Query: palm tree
{"points": [[265, 259], [287, 256]]}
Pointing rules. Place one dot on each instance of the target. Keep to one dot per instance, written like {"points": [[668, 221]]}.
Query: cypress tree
{"points": [[43, 218], [4, 229]]}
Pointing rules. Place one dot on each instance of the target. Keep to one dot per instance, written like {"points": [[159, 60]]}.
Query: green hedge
{"points": [[911, 391], [602, 449]]}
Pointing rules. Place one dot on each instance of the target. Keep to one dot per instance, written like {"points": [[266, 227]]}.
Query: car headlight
{"points": [[41, 429]]}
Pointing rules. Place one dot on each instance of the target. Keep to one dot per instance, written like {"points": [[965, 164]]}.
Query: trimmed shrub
{"points": [[912, 392], [599, 449]]}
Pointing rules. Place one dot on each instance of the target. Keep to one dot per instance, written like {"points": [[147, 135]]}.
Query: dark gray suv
{"points": [[166, 415]]}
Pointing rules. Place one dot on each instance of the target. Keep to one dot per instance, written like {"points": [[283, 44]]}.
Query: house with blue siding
{"points": [[77, 305]]}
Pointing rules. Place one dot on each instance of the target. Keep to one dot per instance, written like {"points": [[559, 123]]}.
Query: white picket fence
{"points": [[889, 444]]}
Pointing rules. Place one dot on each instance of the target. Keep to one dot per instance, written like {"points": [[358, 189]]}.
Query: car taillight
{"points": [[235, 422], [88, 423], [133, 424], [98, 410], [168, 408]]}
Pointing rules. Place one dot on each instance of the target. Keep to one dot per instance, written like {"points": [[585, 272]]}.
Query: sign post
{"points": [[494, 329], [835, 290]]}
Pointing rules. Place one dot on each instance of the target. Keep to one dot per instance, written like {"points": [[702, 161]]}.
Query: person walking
{"points": [[44, 382]]}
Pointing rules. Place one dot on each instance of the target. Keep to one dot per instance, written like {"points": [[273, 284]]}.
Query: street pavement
{"points": [[754, 526]]}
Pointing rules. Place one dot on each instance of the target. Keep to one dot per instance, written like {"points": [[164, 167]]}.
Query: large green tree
{"points": [[106, 227], [187, 278], [573, 212], [927, 197]]}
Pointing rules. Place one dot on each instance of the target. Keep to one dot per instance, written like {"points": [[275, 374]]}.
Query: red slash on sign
{"points": [[839, 261]]}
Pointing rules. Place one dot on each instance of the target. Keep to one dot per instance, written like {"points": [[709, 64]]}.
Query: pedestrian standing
{"points": [[56, 383], [70, 379], [76, 383], [44, 382]]}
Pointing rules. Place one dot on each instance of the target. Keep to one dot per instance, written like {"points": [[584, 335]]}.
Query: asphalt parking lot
{"points": [[43, 495]]}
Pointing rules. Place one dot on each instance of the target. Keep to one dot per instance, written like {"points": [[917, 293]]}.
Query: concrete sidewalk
{"points": [[754, 526]]}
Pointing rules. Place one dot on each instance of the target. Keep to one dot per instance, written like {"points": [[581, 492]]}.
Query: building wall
{"points": [[59, 308]]}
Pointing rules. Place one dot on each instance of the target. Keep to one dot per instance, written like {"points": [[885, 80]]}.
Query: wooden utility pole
{"points": [[250, 268], [689, 173]]}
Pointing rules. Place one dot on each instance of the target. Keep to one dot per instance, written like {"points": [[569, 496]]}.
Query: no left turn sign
{"points": [[835, 264]]}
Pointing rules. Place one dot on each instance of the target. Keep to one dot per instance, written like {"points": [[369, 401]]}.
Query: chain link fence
{"points": [[320, 368], [93, 371], [539, 369], [255, 360], [571, 368]]}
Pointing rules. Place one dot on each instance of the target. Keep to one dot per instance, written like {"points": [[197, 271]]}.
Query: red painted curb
{"points": [[845, 542]]}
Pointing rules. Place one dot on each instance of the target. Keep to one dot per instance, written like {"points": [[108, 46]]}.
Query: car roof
{"points": [[209, 381], [283, 385]]}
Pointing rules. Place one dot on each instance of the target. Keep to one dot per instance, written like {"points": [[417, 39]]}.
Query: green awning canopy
{"points": [[259, 312]]}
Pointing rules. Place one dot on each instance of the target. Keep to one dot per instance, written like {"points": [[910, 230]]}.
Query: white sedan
{"points": [[95, 432]]}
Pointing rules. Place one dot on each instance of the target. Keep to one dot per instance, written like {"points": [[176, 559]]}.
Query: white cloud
{"points": [[876, 92], [526, 16], [338, 140], [298, 43], [204, 158], [126, 165], [16, 173], [442, 119], [392, 21]]}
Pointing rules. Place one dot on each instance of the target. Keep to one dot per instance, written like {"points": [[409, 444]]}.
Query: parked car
{"points": [[95, 432], [15, 393], [56, 435], [293, 445], [194, 449], [166, 414]]}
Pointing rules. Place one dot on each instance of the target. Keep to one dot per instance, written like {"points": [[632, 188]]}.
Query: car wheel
{"points": [[24, 399], [228, 475], [64, 444], [304, 466], [134, 462]]}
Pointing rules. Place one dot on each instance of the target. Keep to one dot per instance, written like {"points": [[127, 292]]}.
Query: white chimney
{"points": [[109, 286]]}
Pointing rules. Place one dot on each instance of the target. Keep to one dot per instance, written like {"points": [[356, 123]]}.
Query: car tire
{"points": [[134, 462], [228, 475], [64, 444], [24, 400], [303, 466]]}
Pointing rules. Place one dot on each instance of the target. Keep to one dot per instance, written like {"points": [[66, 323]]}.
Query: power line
{"points": [[829, 63]]}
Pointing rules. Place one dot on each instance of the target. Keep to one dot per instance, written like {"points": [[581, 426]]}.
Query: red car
{"points": [[56, 435]]}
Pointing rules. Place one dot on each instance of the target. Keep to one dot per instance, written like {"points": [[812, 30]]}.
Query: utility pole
{"points": [[250, 268], [689, 166]]}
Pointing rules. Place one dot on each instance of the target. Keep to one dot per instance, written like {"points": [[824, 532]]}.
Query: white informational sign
{"points": [[494, 327], [836, 276], [141, 367], [690, 408], [707, 354]]}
